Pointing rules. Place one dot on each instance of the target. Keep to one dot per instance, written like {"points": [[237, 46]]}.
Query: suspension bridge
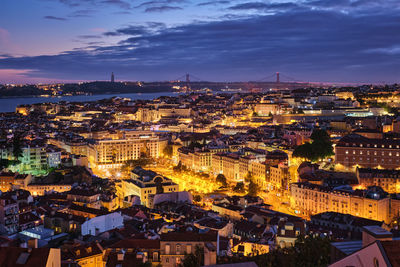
{"points": [[275, 80]]}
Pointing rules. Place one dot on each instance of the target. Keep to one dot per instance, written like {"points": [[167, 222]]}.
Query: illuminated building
{"points": [[345, 95], [297, 136], [289, 230], [152, 114], [279, 176], [260, 172], [102, 223], [356, 150], [265, 109], [144, 183], [53, 157], [38, 189], [87, 255], [249, 248], [174, 246], [389, 180], [7, 180], [127, 145], [228, 165], [166, 111], [33, 158], [312, 199], [83, 197], [146, 114], [198, 160], [228, 210], [73, 144]]}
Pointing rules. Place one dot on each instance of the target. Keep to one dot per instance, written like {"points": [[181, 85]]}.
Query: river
{"points": [[9, 104]]}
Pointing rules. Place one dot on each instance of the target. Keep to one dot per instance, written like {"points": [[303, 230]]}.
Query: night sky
{"points": [[221, 40]]}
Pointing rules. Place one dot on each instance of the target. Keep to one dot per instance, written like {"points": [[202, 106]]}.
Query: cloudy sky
{"points": [[219, 40]]}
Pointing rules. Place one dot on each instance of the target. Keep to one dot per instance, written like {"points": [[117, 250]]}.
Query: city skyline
{"points": [[319, 41]]}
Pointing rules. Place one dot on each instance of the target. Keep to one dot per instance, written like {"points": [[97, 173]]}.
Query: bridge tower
{"points": [[188, 82]]}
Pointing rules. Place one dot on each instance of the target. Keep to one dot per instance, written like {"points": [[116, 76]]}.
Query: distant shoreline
{"points": [[9, 104], [89, 94]]}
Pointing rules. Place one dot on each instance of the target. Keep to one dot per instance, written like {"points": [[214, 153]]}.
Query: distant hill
{"points": [[101, 87], [25, 90], [117, 87], [87, 88]]}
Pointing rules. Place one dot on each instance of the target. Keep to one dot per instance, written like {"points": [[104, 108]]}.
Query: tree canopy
{"points": [[221, 179], [195, 259], [319, 148], [168, 150], [239, 187]]}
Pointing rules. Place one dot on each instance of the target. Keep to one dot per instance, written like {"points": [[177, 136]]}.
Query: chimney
{"points": [[33, 243], [217, 243], [120, 255], [372, 233]]}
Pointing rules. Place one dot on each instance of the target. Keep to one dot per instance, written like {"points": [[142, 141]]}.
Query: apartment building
{"points": [[356, 150], [311, 199], [174, 246], [389, 180], [9, 215], [40, 189], [144, 183], [72, 143], [279, 177], [84, 197], [228, 165], [35, 156], [265, 109], [260, 172], [197, 160], [7, 179], [112, 152]]}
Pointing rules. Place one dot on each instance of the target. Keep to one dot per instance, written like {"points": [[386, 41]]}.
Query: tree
{"points": [[197, 198], [178, 168], [253, 189], [195, 259], [320, 147], [194, 144], [4, 163], [239, 187], [142, 161], [168, 150], [17, 146], [221, 179], [248, 177]]}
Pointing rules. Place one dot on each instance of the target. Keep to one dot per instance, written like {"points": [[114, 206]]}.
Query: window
{"points": [[188, 249], [376, 262], [167, 249], [178, 249]]}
